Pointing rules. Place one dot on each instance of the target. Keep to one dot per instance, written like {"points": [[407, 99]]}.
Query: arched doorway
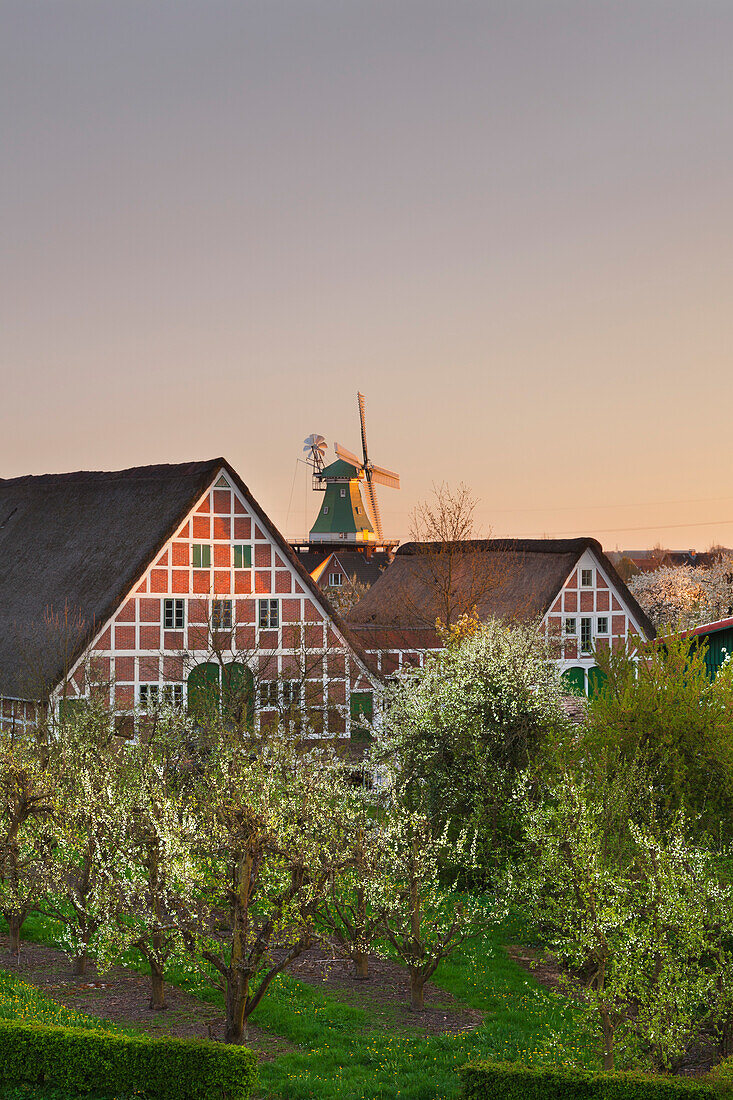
{"points": [[596, 680], [574, 680], [237, 693], [221, 689], [203, 691]]}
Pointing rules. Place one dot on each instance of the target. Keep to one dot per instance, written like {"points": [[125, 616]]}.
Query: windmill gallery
{"points": [[162, 581]]}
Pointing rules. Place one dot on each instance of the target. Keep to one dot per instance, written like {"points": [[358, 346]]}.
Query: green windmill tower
{"points": [[342, 518]]}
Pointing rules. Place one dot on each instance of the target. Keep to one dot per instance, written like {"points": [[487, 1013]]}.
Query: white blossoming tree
{"points": [[270, 846], [29, 798], [156, 880], [465, 727], [626, 908], [684, 596], [423, 916]]}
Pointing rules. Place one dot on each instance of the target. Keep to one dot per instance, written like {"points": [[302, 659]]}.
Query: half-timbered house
{"points": [[568, 584], [157, 582]]}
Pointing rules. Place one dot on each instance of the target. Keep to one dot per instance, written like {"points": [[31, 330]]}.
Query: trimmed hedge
{"points": [[511, 1081], [82, 1060]]}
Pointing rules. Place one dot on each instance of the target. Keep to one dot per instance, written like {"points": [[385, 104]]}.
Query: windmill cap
{"points": [[339, 470]]}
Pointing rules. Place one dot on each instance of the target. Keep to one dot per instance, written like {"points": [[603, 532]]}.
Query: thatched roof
{"points": [[504, 578], [73, 545]]}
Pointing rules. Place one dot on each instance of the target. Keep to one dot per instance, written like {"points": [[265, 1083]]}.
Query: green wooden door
{"points": [[237, 693], [596, 679], [203, 691], [574, 680], [361, 707]]}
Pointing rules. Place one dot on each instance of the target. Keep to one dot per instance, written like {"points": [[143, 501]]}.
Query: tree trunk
{"points": [[157, 992], [15, 923], [80, 964], [236, 1002], [361, 965], [607, 1037], [361, 959], [238, 978], [417, 991]]}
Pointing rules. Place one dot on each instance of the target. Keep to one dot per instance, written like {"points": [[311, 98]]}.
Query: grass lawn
{"points": [[345, 1052]]}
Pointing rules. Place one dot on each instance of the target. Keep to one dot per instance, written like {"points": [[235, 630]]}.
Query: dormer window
{"points": [[343, 492]]}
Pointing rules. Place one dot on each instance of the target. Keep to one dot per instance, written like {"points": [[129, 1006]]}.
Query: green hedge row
{"points": [[82, 1060], [510, 1081]]}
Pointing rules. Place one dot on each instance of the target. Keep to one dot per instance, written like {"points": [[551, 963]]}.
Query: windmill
{"points": [[374, 475]]}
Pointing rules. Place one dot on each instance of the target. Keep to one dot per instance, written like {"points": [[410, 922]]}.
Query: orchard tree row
{"points": [[200, 842]]}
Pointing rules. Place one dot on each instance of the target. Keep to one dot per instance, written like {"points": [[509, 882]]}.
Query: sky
{"points": [[508, 224]]}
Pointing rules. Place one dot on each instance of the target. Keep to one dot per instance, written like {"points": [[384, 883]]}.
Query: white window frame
{"points": [[603, 619], [268, 695], [586, 648], [572, 619], [219, 606], [172, 695], [335, 580], [148, 697], [584, 583], [292, 693], [176, 605], [268, 613], [343, 492]]}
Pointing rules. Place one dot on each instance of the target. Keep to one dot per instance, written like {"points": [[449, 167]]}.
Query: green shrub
{"points": [[721, 1077], [503, 1081], [82, 1060]]}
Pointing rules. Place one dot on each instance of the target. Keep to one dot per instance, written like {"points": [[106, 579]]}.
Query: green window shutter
{"points": [[205, 557], [242, 557]]}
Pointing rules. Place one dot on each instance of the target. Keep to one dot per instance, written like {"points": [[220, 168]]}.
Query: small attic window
{"points": [[586, 578], [343, 492], [325, 509], [222, 483]]}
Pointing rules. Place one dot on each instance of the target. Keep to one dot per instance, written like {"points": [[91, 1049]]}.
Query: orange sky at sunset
{"points": [[508, 224]]}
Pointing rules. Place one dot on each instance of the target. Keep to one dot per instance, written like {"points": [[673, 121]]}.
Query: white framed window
{"points": [[325, 509], [268, 694], [174, 614], [602, 625], [201, 555], [586, 635], [268, 614], [221, 614], [291, 693], [335, 580], [173, 695], [241, 555], [586, 578], [343, 492], [148, 696], [571, 628]]}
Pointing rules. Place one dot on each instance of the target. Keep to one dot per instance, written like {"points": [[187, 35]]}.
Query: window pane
{"points": [[586, 634], [586, 578]]}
